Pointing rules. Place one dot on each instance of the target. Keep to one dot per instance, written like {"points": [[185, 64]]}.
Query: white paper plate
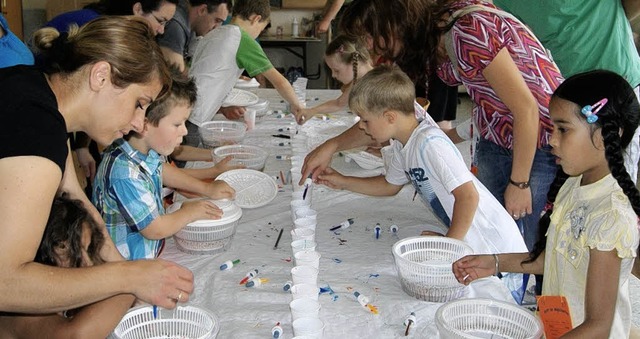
{"points": [[240, 97], [242, 83], [253, 188]]}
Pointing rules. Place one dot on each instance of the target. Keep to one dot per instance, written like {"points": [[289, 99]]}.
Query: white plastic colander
{"points": [[424, 267], [486, 318], [183, 322]]}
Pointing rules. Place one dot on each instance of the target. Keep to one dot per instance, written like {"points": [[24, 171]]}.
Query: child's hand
{"points": [[329, 177], [304, 115], [224, 165], [232, 112], [472, 267], [298, 112], [201, 209], [220, 190]]}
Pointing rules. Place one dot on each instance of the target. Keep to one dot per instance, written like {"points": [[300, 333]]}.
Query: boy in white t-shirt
{"points": [[423, 155]]}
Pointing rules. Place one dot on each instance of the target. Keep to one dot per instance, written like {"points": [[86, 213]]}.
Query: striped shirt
{"points": [[477, 39], [128, 194]]}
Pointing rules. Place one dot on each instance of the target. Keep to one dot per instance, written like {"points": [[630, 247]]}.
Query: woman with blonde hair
{"points": [[98, 79]]}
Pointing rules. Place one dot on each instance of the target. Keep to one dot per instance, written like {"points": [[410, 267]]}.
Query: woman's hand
{"points": [[472, 267], [232, 112], [86, 161], [517, 201]]}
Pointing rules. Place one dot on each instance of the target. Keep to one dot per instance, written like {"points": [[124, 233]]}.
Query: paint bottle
{"points": [[287, 286], [276, 331], [393, 229], [343, 225], [363, 300], [252, 274], [377, 230], [256, 282], [229, 264]]}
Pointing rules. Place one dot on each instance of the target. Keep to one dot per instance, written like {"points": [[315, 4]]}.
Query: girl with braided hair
{"points": [[591, 231], [348, 60]]}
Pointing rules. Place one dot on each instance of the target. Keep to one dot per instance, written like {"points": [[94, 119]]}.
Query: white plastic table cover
{"points": [[352, 260]]}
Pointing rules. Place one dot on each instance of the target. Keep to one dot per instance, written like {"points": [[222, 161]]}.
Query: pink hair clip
{"points": [[341, 49], [590, 111]]}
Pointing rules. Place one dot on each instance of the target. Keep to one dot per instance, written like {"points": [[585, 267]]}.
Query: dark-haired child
{"points": [[592, 228]]}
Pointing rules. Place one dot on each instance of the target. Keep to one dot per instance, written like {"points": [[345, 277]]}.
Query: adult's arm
{"points": [[507, 82], [27, 189], [174, 58], [631, 8], [331, 10], [318, 160]]}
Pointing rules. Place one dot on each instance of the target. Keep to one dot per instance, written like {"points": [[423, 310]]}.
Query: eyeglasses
{"points": [[160, 21]]}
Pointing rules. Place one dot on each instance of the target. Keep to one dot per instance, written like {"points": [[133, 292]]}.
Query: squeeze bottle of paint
{"points": [[393, 229], [256, 282], [276, 331], [361, 298], [377, 230], [229, 264], [252, 274], [287, 286]]}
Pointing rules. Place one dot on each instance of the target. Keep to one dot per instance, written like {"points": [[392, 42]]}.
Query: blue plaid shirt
{"points": [[128, 193]]}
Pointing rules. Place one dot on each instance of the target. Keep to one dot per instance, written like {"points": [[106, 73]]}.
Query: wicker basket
{"points": [[251, 157], [486, 318], [424, 267], [183, 322], [220, 133]]}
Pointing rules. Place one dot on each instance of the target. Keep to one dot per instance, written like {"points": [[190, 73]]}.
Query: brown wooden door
{"points": [[12, 11]]}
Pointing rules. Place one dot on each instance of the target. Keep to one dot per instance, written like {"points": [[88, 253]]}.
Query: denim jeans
{"points": [[494, 171]]}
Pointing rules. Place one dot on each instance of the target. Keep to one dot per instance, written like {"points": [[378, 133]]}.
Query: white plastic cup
{"points": [[305, 291], [295, 205], [250, 118], [306, 212], [313, 327], [307, 258], [304, 275], [304, 307], [302, 245], [303, 234], [305, 223]]}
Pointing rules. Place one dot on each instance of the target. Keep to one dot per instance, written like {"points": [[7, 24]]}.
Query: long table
{"points": [[353, 260]]}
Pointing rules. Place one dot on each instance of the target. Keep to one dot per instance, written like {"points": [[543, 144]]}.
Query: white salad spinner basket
{"points": [[209, 236], [251, 157], [220, 133], [486, 318], [183, 322], [424, 267]]}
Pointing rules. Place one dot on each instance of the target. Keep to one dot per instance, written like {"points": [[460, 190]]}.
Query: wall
{"points": [[315, 51]]}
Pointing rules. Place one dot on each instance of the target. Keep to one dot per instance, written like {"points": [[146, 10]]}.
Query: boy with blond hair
{"points": [[423, 155]]}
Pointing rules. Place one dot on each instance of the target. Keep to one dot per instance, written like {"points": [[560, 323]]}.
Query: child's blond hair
{"points": [[382, 89]]}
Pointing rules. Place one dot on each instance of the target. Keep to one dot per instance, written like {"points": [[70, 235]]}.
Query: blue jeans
{"points": [[494, 170]]}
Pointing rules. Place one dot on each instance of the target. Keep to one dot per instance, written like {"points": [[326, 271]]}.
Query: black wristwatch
{"points": [[521, 185]]}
